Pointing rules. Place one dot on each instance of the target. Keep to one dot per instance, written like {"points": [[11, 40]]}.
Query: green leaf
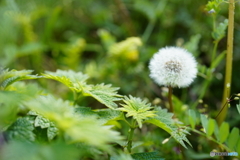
{"points": [[137, 108], [109, 116], [105, 116], [9, 104], [52, 131], [238, 108], [223, 132], [204, 121], [219, 32], [180, 135], [121, 156], [232, 139], [76, 81], [22, 129], [8, 77], [84, 111], [79, 129], [42, 122], [164, 120], [192, 118], [68, 78], [216, 131], [103, 93], [218, 59], [238, 146], [147, 156], [210, 126]]}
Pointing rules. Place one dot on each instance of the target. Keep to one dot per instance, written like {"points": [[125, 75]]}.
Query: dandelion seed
{"points": [[173, 67]]}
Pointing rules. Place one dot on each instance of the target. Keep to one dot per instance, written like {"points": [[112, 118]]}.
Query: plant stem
{"points": [[229, 57], [130, 136], [170, 98], [214, 50], [75, 94]]}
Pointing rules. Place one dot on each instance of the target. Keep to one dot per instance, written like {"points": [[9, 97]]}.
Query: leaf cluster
{"points": [[48, 120]]}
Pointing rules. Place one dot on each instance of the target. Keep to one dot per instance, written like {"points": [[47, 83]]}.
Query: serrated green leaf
{"points": [[223, 132], [180, 135], [22, 129], [42, 122], [68, 78], [76, 81], [79, 129], [192, 118], [8, 77], [164, 120], [204, 122], [103, 93], [210, 127], [84, 111], [52, 131], [137, 108], [110, 117], [147, 156], [233, 137], [105, 116]]}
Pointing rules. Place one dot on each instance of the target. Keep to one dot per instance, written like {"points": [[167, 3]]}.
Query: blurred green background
{"points": [[112, 41]]}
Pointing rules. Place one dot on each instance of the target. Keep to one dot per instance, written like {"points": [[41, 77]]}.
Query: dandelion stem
{"points": [[170, 98], [229, 57]]}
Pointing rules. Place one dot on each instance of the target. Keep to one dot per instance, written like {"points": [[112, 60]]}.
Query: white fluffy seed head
{"points": [[173, 66]]}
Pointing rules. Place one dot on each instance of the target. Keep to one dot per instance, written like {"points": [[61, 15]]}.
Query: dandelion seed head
{"points": [[173, 66]]}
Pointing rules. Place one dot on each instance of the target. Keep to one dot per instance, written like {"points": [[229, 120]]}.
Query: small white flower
{"points": [[173, 66]]}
